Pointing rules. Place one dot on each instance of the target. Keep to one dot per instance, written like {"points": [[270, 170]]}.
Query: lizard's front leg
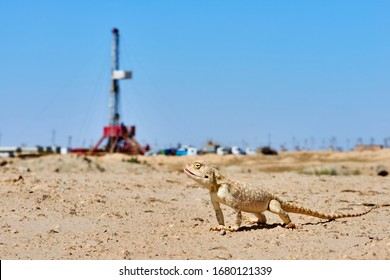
{"points": [[229, 200], [238, 219], [218, 214], [231, 228]]}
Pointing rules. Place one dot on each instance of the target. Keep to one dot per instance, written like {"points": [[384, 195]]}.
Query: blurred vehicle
{"points": [[250, 151], [267, 151], [168, 152], [186, 151], [237, 151], [210, 147], [224, 150]]}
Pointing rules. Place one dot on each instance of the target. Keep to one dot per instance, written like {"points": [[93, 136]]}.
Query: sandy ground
{"points": [[121, 207]]}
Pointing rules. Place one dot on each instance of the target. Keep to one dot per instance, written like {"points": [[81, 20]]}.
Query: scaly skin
{"points": [[244, 197]]}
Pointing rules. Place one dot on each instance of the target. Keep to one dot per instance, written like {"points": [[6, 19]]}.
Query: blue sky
{"points": [[237, 72]]}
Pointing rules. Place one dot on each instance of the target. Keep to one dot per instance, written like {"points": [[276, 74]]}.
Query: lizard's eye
{"points": [[206, 176], [197, 165]]}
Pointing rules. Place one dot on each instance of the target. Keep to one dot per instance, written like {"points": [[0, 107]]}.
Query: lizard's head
{"points": [[202, 173]]}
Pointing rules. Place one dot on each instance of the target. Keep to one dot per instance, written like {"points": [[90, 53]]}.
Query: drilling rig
{"points": [[120, 138]]}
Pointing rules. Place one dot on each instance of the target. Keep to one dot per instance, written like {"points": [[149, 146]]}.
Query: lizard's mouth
{"points": [[189, 172]]}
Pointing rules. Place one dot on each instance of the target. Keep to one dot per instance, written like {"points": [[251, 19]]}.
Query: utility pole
{"points": [[69, 141], [269, 140], [53, 137]]}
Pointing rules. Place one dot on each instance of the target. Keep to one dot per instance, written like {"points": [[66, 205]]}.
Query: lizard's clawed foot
{"points": [[220, 228], [290, 225]]}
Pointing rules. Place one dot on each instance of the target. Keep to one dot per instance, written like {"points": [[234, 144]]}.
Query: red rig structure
{"points": [[120, 138]]}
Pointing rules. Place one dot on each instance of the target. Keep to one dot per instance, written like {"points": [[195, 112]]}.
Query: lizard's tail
{"points": [[293, 208]]}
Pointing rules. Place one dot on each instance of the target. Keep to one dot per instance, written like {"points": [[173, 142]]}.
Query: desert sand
{"points": [[126, 207]]}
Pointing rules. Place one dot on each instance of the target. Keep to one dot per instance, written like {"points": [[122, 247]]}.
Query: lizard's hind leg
{"points": [[275, 207]]}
